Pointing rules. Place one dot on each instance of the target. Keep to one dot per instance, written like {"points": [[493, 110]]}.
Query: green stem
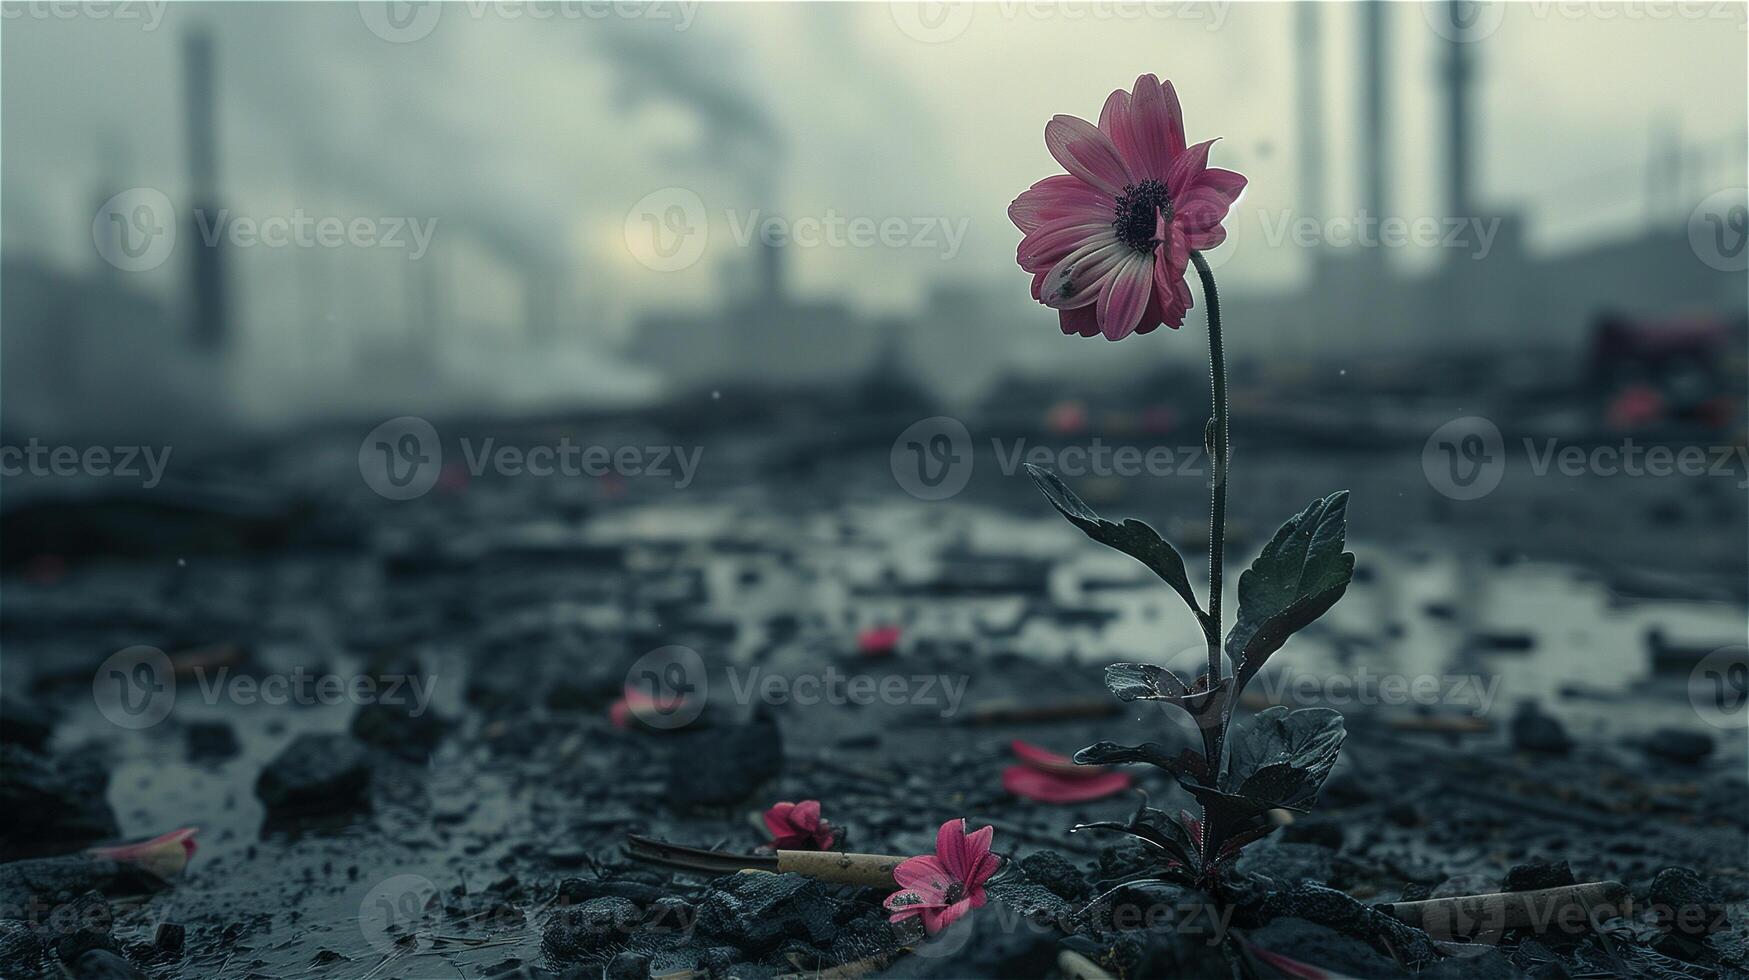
{"points": [[1218, 456], [1216, 439]]}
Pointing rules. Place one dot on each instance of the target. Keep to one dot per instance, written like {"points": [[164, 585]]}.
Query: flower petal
{"points": [[1187, 169], [1087, 153], [1125, 295], [1044, 760], [1156, 128], [1114, 122], [935, 920], [806, 815], [951, 848], [926, 876], [1058, 196], [1076, 279], [1083, 320], [1044, 787], [1046, 245], [777, 819]]}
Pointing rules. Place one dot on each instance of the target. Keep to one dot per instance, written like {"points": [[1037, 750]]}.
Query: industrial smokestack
{"points": [[206, 287], [1458, 151], [1311, 110], [1375, 179]]}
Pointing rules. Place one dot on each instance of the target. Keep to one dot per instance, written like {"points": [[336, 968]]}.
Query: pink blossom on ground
{"points": [[1050, 777], [878, 641], [942, 887], [164, 855], [799, 827], [1109, 242]]}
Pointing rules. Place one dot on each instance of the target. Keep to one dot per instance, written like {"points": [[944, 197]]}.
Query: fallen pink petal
{"points": [[1050, 787], [165, 855], [799, 827], [879, 641]]}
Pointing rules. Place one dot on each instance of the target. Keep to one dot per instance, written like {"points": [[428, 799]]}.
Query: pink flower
{"points": [[1048, 777], [878, 641], [164, 855], [1108, 243], [798, 827], [635, 704], [945, 885]]}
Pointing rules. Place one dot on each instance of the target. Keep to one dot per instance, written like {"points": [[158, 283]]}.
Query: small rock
{"points": [[628, 966], [170, 939], [51, 805], [725, 765], [1686, 902], [572, 933], [1287, 862], [316, 773], [26, 724], [210, 740], [994, 941], [104, 964], [407, 729], [21, 952], [1530, 877], [1323, 947], [759, 912], [1678, 745], [1314, 830], [1487, 964], [1535, 731], [1054, 872]]}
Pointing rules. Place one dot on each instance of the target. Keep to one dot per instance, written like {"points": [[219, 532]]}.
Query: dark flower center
{"points": [[955, 892], [1137, 213]]}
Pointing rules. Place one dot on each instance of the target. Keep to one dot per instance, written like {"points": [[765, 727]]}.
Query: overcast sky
{"points": [[530, 139]]}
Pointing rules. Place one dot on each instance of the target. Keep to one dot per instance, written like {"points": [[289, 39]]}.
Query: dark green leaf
{"points": [[1132, 537], [1186, 763], [1155, 828], [1300, 574], [1144, 682], [1284, 757]]}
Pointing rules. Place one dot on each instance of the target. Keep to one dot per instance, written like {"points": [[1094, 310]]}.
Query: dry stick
{"points": [[839, 867], [1538, 910]]}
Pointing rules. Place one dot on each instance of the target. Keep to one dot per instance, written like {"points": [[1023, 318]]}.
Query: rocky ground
{"points": [[473, 823]]}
